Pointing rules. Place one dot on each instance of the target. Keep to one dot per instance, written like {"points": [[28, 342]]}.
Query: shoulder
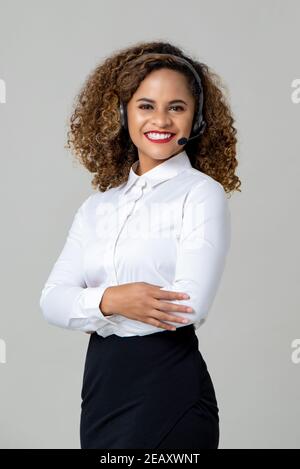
{"points": [[91, 203], [202, 186]]}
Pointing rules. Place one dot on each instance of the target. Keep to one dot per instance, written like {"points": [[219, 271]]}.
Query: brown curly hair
{"points": [[105, 148]]}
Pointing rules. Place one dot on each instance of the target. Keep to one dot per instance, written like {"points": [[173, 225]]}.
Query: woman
{"points": [[145, 254]]}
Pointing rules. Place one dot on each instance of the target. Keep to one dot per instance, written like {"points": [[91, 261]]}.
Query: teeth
{"points": [[156, 136]]}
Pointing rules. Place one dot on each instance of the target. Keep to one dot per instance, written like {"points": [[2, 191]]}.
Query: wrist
{"points": [[105, 305]]}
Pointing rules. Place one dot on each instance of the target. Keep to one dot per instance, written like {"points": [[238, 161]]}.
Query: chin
{"points": [[161, 150]]}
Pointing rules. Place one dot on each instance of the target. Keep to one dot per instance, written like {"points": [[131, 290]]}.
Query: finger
{"points": [[163, 325], [165, 306], [170, 295], [169, 317]]}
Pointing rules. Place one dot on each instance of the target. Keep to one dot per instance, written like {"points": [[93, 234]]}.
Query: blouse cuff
{"points": [[86, 311]]}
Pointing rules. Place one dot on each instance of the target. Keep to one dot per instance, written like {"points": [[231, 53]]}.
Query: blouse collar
{"points": [[162, 172]]}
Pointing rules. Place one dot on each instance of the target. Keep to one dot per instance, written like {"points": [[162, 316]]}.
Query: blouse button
{"points": [[141, 183]]}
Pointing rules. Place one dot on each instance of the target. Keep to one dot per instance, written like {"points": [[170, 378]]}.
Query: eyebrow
{"points": [[170, 102]]}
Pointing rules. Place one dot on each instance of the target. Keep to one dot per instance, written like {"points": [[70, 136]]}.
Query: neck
{"points": [[138, 169]]}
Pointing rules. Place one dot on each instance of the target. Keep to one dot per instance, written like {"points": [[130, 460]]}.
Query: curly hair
{"points": [[105, 148]]}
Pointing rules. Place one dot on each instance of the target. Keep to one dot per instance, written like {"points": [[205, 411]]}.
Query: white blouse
{"points": [[168, 227]]}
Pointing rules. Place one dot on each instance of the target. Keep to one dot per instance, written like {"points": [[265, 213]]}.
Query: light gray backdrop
{"points": [[46, 51]]}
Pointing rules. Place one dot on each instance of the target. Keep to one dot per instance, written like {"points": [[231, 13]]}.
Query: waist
{"points": [[150, 347]]}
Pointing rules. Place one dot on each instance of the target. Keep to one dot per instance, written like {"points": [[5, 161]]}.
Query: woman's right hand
{"points": [[142, 301]]}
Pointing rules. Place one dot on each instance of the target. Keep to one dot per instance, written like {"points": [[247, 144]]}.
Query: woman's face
{"points": [[171, 109]]}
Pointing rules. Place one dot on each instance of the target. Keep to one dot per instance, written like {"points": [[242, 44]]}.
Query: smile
{"points": [[159, 138]]}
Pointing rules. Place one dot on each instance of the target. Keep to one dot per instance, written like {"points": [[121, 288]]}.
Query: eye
{"points": [[180, 107], [143, 106]]}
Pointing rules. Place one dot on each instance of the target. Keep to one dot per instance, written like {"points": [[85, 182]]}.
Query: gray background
{"points": [[46, 51]]}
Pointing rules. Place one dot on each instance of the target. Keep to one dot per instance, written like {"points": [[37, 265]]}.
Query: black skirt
{"points": [[151, 392]]}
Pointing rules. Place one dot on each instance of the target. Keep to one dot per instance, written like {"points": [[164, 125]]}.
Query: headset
{"points": [[199, 125]]}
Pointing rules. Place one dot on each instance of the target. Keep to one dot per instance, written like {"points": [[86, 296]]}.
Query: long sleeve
{"points": [[65, 300], [203, 244]]}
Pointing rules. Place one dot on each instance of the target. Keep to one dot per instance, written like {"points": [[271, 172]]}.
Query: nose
{"points": [[161, 119]]}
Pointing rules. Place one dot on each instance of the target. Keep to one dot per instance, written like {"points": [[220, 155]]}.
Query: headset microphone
{"points": [[184, 140]]}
